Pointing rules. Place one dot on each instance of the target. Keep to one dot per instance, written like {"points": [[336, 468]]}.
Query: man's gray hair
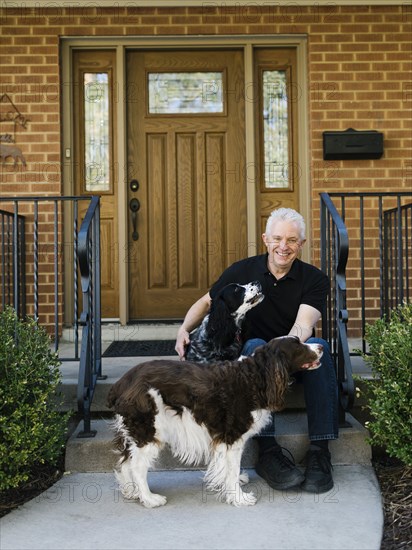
{"points": [[287, 215]]}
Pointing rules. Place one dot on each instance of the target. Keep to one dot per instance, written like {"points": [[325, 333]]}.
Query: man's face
{"points": [[283, 244]]}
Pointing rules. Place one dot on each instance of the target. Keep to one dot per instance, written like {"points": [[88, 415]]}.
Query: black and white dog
{"points": [[205, 412], [220, 335]]}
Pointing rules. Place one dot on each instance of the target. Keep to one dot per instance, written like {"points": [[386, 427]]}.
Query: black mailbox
{"points": [[352, 144]]}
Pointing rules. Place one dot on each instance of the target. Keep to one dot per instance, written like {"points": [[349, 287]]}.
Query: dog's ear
{"points": [[219, 320], [277, 379]]}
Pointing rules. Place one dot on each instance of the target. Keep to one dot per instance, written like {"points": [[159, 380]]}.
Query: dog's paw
{"points": [[241, 499], [244, 478], [130, 491], [154, 500], [246, 499]]}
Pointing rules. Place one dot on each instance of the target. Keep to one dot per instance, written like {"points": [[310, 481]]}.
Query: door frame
{"points": [[120, 45]]}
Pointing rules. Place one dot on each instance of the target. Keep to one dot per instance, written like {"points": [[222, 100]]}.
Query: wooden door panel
{"points": [[108, 261], [157, 203], [193, 208], [215, 205], [187, 211]]}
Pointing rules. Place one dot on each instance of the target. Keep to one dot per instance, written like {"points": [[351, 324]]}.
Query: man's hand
{"points": [[182, 340], [192, 320], [311, 366]]}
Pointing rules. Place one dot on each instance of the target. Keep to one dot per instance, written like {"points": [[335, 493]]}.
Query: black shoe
{"points": [[318, 478], [278, 470]]}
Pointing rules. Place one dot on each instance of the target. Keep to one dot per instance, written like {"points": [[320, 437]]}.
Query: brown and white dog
{"points": [[205, 412]]}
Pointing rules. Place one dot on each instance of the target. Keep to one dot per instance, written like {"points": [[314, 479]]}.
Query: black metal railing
{"points": [[90, 367], [42, 253], [373, 280], [379, 273], [396, 270], [334, 256], [13, 262]]}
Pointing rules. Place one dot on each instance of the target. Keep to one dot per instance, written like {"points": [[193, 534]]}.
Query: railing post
{"points": [[90, 356], [333, 262], [323, 264], [15, 248], [22, 279], [98, 303], [399, 295], [36, 260]]}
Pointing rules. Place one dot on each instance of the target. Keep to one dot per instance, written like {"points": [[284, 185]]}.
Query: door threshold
{"points": [[116, 321], [155, 322], [153, 330]]}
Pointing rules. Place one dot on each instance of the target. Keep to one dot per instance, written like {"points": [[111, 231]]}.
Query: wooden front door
{"points": [[186, 176]]}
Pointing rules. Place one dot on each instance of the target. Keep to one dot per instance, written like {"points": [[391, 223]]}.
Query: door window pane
{"points": [[275, 129], [185, 93], [96, 132]]}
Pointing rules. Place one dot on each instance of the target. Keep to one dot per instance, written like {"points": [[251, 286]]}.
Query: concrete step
{"points": [[115, 367], [96, 454]]}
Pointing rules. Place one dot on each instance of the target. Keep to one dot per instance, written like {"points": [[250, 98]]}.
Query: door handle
{"points": [[134, 206]]}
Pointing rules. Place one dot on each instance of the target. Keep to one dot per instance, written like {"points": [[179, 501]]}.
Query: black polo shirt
{"points": [[276, 314]]}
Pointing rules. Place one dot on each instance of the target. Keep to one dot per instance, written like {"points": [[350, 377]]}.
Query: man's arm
{"points": [[305, 322], [193, 318]]}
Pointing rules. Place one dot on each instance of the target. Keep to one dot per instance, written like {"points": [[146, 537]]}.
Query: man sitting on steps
{"points": [[295, 295]]}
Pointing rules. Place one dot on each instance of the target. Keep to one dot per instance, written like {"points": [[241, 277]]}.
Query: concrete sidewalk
{"points": [[86, 511]]}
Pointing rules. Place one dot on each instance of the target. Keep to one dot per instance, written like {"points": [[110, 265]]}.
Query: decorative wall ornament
{"points": [[11, 117]]}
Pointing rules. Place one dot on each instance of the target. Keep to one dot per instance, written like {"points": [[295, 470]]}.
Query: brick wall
{"points": [[359, 76]]}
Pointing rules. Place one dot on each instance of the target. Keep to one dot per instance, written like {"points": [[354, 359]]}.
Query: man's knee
{"points": [[250, 345]]}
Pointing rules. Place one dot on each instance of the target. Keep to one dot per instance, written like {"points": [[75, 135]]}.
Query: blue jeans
{"points": [[320, 390]]}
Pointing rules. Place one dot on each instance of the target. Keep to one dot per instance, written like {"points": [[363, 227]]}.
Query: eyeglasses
{"points": [[292, 241]]}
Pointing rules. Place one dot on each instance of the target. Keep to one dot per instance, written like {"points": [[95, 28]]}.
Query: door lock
{"points": [[134, 185]]}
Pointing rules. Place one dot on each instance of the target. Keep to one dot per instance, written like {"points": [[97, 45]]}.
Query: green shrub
{"points": [[390, 393], [32, 431]]}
